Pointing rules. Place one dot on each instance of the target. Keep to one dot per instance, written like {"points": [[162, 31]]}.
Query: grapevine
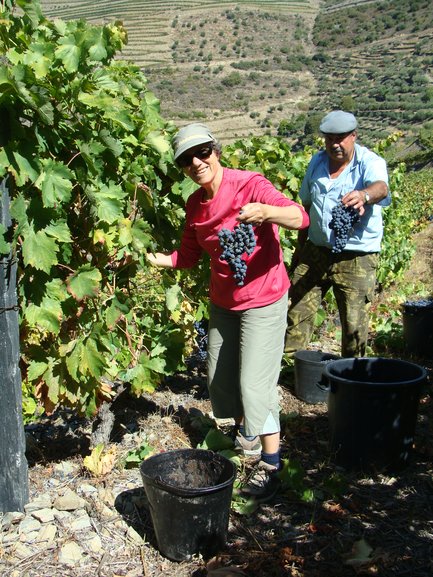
{"points": [[234, 244], [343, 219]]}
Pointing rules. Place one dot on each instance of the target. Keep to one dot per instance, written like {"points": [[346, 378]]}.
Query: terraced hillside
{"points": [[274, 66], [377, 61], [149, 22], [239, 65]]}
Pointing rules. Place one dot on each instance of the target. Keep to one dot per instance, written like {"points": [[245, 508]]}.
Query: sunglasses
{"points": [[202, 153]]}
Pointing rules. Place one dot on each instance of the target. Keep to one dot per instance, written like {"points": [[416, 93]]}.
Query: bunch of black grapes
{"points": [[234, 244], [199, 354], [343, 219]]}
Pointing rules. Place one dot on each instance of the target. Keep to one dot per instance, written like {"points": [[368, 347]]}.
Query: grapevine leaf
{"points": [[85, 359], [69, 53], [100, 462], [150, 106], [120, 117], [18, 209], [114, 145], [108, 202], [84, 283], [4, 246], [54, 182], [294, 184], [60, 26], [172, 297], [59, 230], [96, 100], [125, 233], [56, 290], [109, 209], [34, 97], [92, 462], [141, 380], [35, 370], [140, 238], [159, 142], [176, 316], [46, 316], [114, 312], [37, 59], [52, 382], [159, 349], [320, 317], [104, 80], [17, 164], [216, 440], [73, 360], [156, 364], [66, 348], [39, 250], [97, 51], [186, 188], [32, 10], [90, 152], [92, 361]]}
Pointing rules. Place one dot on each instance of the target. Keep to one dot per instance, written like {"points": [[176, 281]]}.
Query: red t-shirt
{"points": [[266, 280]]}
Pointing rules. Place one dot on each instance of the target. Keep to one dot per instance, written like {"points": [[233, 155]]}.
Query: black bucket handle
{"points": [[324, 384]]}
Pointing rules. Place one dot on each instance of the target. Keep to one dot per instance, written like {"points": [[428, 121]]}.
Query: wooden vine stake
{"points": [[13, 463]]}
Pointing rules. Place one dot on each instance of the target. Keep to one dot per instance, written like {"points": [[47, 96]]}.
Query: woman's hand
{"points": [[159, 259], [253, 213], [256, 213]]}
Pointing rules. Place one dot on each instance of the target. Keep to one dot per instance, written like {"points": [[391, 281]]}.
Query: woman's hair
{"points": [[217, 147]]}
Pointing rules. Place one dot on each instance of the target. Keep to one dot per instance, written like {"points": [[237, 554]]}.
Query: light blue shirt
{"points": [[321, 194]]}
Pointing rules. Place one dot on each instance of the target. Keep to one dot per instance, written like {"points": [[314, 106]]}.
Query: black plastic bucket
{"points": [[372, 409], [189, 493], [309, 366], [418, 327]]}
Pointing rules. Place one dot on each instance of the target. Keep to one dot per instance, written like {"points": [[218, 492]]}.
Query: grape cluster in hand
{"points": [[343, 219], [234, 244]]}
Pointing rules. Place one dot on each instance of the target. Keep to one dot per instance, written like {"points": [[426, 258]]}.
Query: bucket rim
{"points": [[303, 353], [420, 305], [187, 491], [328, 367]]}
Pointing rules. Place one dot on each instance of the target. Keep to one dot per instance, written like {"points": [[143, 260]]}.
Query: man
{"points": [[346, 173]]}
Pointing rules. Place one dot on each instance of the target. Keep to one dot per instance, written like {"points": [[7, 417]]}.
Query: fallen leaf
{"points": [[288, 557], [98, 462], [360, 554]]}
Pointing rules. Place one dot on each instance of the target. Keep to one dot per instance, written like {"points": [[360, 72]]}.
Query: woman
{"points": [[247, 315]]}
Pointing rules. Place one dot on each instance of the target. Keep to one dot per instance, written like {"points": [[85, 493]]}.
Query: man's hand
{"points": [[356, 199]]}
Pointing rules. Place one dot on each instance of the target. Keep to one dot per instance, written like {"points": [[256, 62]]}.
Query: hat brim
{"points": [[191, 143]]}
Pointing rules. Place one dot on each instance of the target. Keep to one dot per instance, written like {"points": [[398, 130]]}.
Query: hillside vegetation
{"points": [[249, 68]]}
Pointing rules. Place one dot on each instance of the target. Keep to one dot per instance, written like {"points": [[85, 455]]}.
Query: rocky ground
{"points": [[91, 518]]}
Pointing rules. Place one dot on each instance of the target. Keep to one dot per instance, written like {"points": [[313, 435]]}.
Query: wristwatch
{"points": [[366, 197]]}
